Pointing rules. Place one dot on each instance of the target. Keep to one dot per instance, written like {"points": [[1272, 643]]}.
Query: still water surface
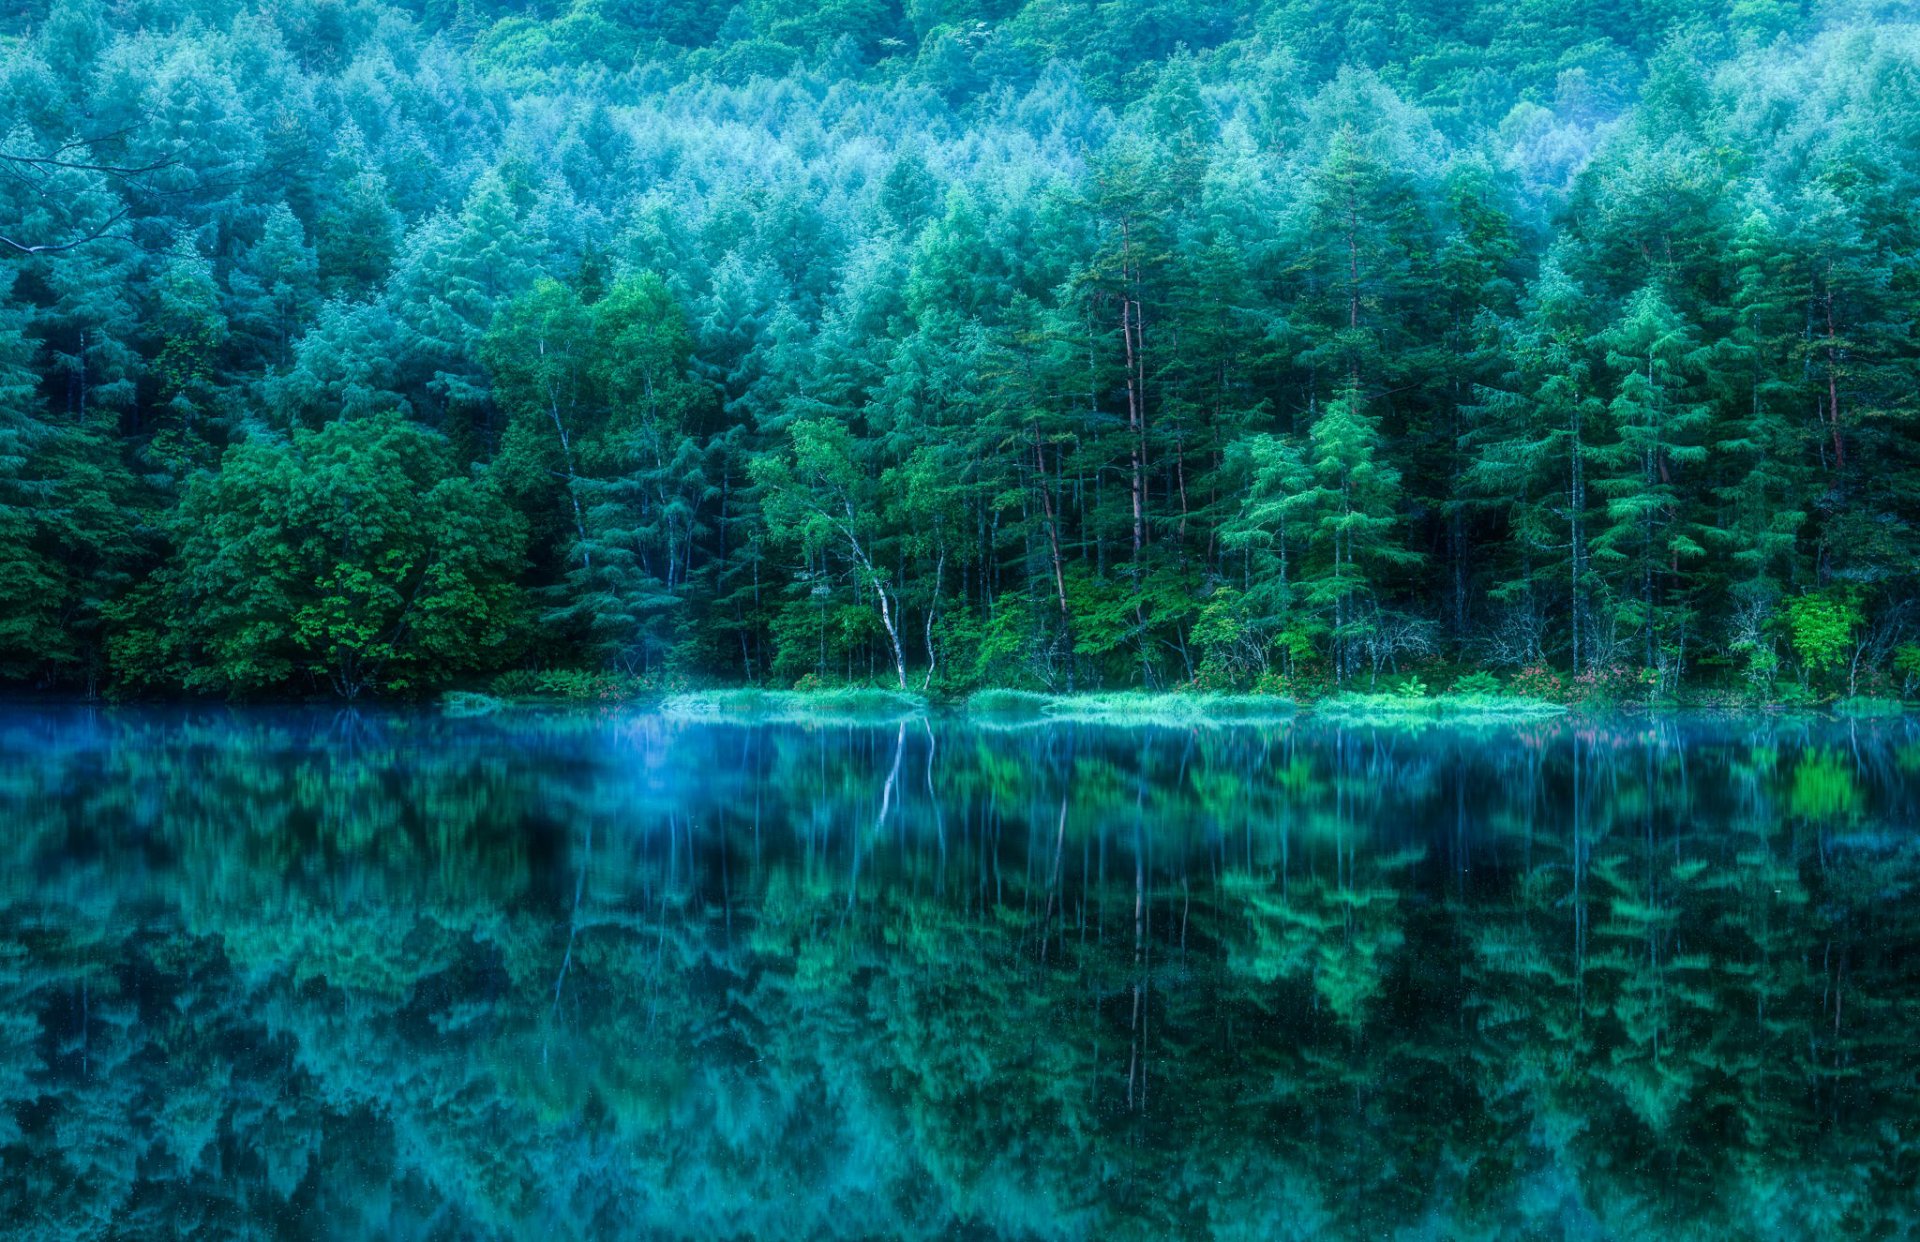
{"points": [[309, 974]]}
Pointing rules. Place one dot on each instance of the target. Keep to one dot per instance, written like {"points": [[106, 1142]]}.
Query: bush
{"points": [[1537, 681], [1477, 682], [1822, 625], [1616, 683]]}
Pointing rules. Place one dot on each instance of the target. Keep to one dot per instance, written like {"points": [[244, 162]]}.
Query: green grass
{"points": [[794, 706], [1131, 708], [1454, 708]]}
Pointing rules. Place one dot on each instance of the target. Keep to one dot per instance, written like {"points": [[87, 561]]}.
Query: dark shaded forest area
{"points": [[351, 347]]}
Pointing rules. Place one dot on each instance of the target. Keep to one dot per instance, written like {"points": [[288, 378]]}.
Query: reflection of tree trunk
{"points": [[1136, 1068], [933, 801], [573, 929], [886, 808], [1053, 876], [1579, 895]]}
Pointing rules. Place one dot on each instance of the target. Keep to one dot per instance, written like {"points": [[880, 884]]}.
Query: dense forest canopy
{"points": [[356, 347]]}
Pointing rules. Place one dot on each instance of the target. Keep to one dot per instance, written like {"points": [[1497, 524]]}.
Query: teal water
{"points": [[308, 974]]}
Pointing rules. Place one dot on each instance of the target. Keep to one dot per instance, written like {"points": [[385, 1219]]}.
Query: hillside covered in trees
{"points": [[356, 348]]}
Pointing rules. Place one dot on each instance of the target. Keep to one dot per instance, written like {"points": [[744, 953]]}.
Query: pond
{"points": [[302, 973]]}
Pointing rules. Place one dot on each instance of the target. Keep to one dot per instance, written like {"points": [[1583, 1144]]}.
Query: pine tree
{"points": [[1760, 439], [357, 233], [1660, 427], [1347, 512], [273, 290], [189, 334], [1535, 435]]}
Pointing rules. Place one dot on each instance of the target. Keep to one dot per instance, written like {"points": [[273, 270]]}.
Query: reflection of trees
{"points": [[389, 975]]}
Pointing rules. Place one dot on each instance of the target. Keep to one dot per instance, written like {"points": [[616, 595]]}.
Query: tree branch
{"points": [[97, 235]]}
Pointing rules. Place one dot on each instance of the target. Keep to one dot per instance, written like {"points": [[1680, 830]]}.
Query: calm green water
{"points": [[306, 974]]}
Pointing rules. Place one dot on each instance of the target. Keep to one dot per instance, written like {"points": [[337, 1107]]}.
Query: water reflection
{"points": [[307, 974]]}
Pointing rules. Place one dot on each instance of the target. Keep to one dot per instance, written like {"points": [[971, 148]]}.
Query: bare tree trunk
{"points": [[939, 573], [1833, 380], [1134, 342], [1577, 494], [573, 480], [893, 632]]}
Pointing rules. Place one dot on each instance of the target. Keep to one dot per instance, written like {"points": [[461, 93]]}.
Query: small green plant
{"points": [[1412, 688], [1478, 682]]}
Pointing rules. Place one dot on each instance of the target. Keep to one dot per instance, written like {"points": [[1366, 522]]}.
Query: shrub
{"points": [[1477, 682], [1537, 681], [1822, 626]]}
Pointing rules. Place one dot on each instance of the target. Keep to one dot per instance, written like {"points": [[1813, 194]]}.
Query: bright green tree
{"points": [[353, 559]]}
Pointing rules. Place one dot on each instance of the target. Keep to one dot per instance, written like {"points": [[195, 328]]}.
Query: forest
{"points": [[354, 348]]}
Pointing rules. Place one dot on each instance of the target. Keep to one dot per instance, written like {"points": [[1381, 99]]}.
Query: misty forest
{"points": [[354, 349], [966, 619]]}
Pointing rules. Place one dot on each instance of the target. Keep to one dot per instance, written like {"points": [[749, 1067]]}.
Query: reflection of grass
{"points": [[1135, 708], [1861, 707], [1419, 708], [794, 706], [1823, 788], [469, 703]]}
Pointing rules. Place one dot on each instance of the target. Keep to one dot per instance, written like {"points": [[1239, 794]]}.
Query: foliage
{"points": [[957, 345], [1822, 627], [1480, 683], [350, 557]]}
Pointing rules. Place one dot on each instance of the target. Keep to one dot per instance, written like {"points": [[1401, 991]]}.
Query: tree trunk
{"points": [[1833, 379]]}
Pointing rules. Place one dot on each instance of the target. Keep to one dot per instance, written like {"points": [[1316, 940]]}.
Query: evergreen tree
{"points": [[1660, 428]]}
